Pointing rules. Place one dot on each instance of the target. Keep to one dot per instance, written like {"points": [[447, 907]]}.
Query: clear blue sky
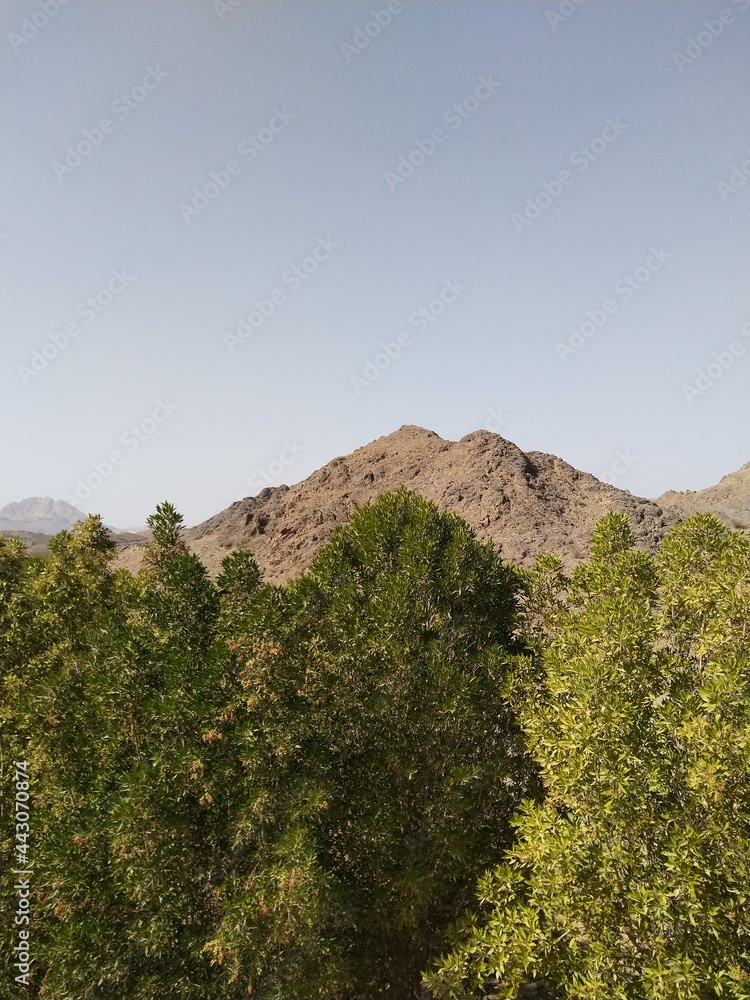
{"points": [[115, 112]]}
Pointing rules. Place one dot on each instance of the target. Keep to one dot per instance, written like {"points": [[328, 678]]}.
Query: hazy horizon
{"points": [[242, 238]]}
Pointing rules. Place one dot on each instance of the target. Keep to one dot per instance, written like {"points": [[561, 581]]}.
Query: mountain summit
{"points": [[526, 503], [39, 514]]}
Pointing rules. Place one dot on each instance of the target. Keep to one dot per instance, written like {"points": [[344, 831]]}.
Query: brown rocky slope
{"points": [[729, 500], [526, 503]]}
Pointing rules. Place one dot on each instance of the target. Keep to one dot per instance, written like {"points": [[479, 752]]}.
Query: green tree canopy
{"points": [[630, 880], [381, 763]]}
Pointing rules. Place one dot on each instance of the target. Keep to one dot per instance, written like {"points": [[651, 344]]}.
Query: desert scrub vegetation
{"points": [[413, 770]]}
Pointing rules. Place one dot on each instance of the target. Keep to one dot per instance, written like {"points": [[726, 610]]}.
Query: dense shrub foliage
{"points": [[631, 878], [296, 792]]}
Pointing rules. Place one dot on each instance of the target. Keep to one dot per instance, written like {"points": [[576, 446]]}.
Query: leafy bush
{"points": [[381, 765], [294, 792], [631, 879], [290, 790]]}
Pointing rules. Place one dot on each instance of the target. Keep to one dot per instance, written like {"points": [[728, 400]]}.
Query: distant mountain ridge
{"points": [[36, 519], [41, 515]]}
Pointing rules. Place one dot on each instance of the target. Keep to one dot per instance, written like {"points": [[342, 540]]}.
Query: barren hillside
{"points": [[526, 503], [729, 499]]}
